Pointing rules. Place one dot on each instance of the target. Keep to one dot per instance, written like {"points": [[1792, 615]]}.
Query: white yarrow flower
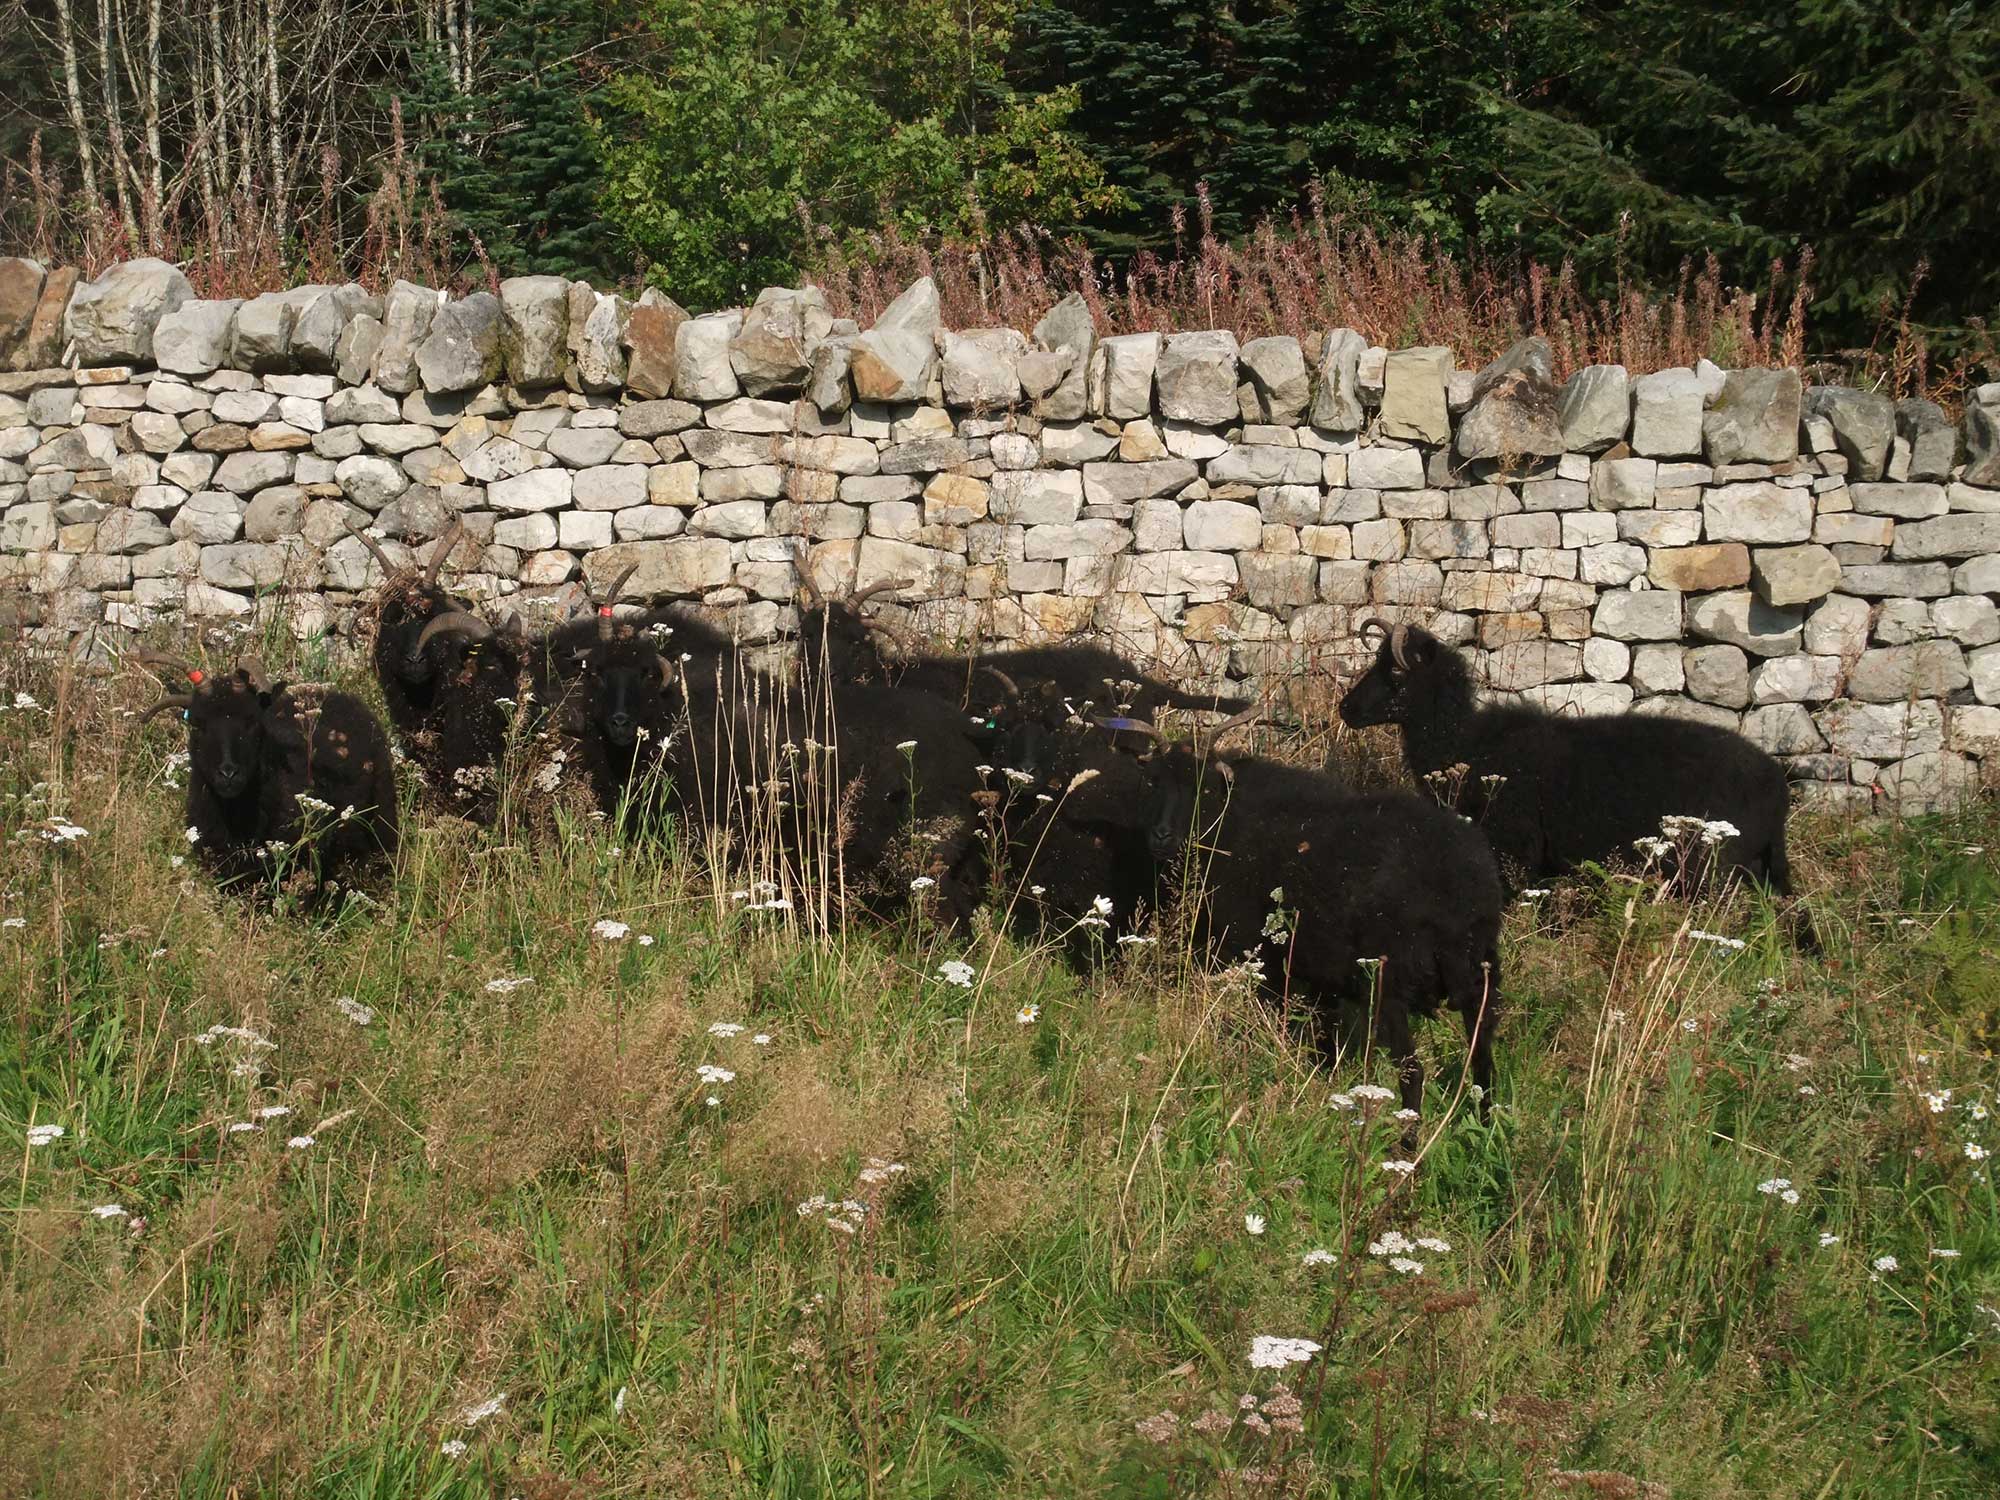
{"points": [[1253, 1224], [709, 1073], [298, 1143], [109, 1211], [956, 971], [353, 1009], [609, 930], [1404, 1265], [1271, 1353], [1317, 1257], [44, 1135], [1399, 1168]]}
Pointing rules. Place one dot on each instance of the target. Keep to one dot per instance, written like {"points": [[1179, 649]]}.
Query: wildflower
{"points": [[1977, 1110], [1253, 1224], [311, 803], [62, 831], [1807, 1091], [1976, 1152], [1027, 1015], [725, 1029], [298, 1143], [645, 940], [109, 1211], [452, 1448], [242, 1127], [1391, 1243], [14, 924], [1341, 1101], [1271, 1353], [1828, 1241], [618, 1402], [1407, 1115], [353, 1009], [1691, 1025], [274, 1111], [43, 1135], [1886, 1263], [1373, 1093], [1019, 778], [906, 746], [712, 1102], [1533, 893], [1771, 1187], [1135, 940], [1159, 1428], [1318, 1257], [507, 986], [922, 883], [1399, 1168], [1435, 1245], [1733, 944], [23, 701], [880, 1171], [1037, 890], [1936, 1102], [1404, 1265], [472, 1416], [956, 971], [710, 1073], [609, 930], [1938, 1252], [761, 1039], [1653, 848]]}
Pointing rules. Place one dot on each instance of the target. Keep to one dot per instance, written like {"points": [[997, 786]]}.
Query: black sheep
{"points": [[1378, 899], [447, 678], [839, 638], [277, 775], [1552, 791]]}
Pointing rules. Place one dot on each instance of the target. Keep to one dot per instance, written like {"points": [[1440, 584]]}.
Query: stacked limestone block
{"points": [[1817, 567]]}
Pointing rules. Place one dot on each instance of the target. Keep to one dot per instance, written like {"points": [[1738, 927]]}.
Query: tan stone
{"points": [[1693, 570]]}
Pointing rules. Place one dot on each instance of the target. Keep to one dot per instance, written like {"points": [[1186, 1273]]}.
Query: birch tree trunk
{"points": [[73, 92]]}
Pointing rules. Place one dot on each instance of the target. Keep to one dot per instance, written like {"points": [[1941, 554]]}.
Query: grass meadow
{"points": [[460, 1192]]}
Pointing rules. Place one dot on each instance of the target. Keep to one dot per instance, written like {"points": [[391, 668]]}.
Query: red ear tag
{"points": [[604, 610], [197, 676]]}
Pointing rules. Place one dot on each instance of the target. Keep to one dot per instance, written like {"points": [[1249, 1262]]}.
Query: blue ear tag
{"points": [[1122, 723]]}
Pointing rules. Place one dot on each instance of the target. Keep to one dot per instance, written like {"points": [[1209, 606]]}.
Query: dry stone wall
{"points": [[1817, 567]]}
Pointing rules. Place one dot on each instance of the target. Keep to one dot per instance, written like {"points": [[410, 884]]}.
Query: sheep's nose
{"points": [[621, 722]]}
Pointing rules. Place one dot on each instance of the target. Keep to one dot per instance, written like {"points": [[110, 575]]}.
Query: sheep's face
{"points": [[226, 734], [404, 621], [836, 640], [626, 683], [1380, 695], [1185, 800]]}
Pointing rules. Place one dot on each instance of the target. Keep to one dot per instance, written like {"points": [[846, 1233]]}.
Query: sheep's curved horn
{"points": [[182, 701], [252, 669], [886, 586], [444, 546], [813, 597], [667, 672], [1135, 726], [453, 622], [610, 597], [1006, 682], [1373, 626], [389, 567], [172, 666], [903, 639], [1399, 643]]}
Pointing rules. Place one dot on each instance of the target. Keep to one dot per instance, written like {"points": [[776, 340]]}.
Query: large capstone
{"points": [[896, 359], [1756, 419], [772, 352], [534, 336], [111, 320]]}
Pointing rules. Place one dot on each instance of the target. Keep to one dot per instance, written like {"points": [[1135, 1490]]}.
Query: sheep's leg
{"points": [[1392, 1030]]}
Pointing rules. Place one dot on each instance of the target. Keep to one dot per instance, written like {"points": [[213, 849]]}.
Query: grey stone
{"points": [[897, 358], [1666, 413], [1657, 668], [1122, 375], [981, 368], [1116, 483], [1982, 446], [406, 322], [369, 481], [21, 283], [111, 320], [1757, 511], [774, 348], [924, 455], [1739, 618], [761, 482], [1796, 679], [597, 326], [244, 471], [1864, 425], [357, 349], [1979, 576], [1928, 782], [1529, 664], [1985, 668], [1413, 401], [1966, 534], [1717, 674], [196, 337], [1647, 615], [1222, 526], [1595, 408], [1336, 405], [688, 565], [1897, 580], [1793, 575], [245, 565], [1513, 412], [1246, 464], [1783, 729], [274, 513], [1066, 328], [1756, 419], [264, 328], [322, 322], [1892, 674], [123, 533], [1380, 468], [580, 447], [537, 490], [1972, 621], [1196, 378], [652, 419], [702, 368], [1909, 502], [1932, 438], [1037, 497], [462, 350], [609, 487], [1276, 384], [534, 338], [1624, 483], [210, 516]]}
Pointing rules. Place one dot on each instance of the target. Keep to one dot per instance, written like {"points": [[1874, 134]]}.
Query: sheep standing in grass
{"points": [[447, 676], [1552, 791], [282, 777], [1380, 900]]}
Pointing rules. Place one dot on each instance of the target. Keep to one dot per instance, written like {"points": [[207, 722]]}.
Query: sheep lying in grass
{"points": [[1552, 791], [1378, 900], [446, 676], [282, 778]]}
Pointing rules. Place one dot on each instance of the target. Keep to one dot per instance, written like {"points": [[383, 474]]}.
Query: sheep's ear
{"points": [[1422, 647]]}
